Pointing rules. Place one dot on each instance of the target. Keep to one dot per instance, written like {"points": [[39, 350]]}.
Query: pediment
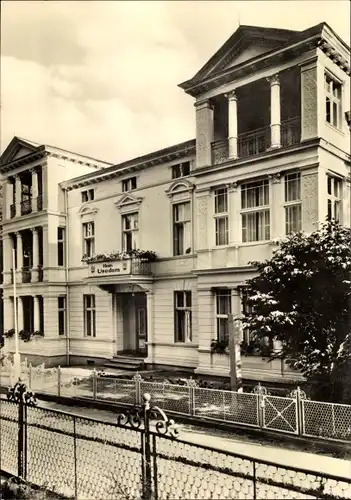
{"points": [[179, 187], [128, 201], [245, 44], [17, 149], [87, 210]]}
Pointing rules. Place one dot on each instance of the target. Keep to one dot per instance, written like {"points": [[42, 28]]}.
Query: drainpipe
{"points": [[68, 322]]}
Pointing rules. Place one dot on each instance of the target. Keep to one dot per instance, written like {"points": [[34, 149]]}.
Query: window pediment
{"points": [[180, 188], [129, 202], [87, 210]]}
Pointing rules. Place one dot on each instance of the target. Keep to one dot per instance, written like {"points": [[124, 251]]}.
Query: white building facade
{"points": [[271, 156]]}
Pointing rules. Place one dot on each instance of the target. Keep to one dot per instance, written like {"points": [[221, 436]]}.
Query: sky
{"points": [[101, 78]]}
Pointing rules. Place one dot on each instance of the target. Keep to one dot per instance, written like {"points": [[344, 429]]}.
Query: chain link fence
{"points": [[85, 459], [327, 420]]}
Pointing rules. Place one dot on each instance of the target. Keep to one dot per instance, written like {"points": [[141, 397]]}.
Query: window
{"points": [[130, 226], [182, 317], [221, 216], [60, 246], [88, 239], [333, 107], [129, 184], [180, 170], [255, 223], [334, 198], [223, 308], [61, 304], [88, 195], [181, 229], [89, 315], [292, 203]]}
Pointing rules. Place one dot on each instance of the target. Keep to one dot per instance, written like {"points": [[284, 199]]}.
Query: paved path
{"points": [[221, 440]]}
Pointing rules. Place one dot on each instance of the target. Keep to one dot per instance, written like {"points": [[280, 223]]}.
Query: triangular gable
{"points": [[128, 201], [17, 149], [246, 43]]}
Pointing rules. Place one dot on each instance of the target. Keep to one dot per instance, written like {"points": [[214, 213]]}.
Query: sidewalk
{"points": [[224, 441]]}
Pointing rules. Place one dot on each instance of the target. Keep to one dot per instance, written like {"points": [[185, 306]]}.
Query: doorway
{"points": [[131, 324]]}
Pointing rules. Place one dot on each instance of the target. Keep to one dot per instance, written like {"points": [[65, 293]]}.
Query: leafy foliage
{"points": [[301, 297], [144, 255]]}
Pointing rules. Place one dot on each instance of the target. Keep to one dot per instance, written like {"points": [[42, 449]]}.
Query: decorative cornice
{"points": [[334, 54], [179, 186], [87, 210], [128, 200]]}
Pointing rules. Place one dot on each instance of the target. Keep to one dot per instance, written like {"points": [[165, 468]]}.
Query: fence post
{"points": [[191, 383], [75, 458], [20, 442], [94, 384], [261, 393], [299, 410], [147, 486], [59, 381], [137, 379], [30, 375]]}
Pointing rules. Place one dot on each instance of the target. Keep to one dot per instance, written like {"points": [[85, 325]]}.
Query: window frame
{"points": [[89, 313], [184, 311], [127, 184], [221, 216], [222, 317], [258, 210], [62, 310], [184, 166], [186, 225], [291, 204], [332, 87], [61, 246], [87, 238], [131, 231], [88, 195], [334, 200]]}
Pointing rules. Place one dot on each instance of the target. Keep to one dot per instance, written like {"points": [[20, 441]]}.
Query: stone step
{"points": [[125, 363]]}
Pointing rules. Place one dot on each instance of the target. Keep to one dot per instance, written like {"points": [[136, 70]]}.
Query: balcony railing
{"points": [[12, 210], [26, 207], [140, 267], [39, 203], [253, 143], [290, 132], [26, 275]]}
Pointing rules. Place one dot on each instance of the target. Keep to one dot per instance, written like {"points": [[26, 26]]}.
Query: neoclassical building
{"points": [[140, 263]]}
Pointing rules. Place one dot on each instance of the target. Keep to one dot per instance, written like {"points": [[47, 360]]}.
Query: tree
{"points": [[301, 297]]}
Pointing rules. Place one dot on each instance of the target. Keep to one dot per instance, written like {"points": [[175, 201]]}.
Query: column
{"points": [[204, 133], [36, 313], [20, 322], [150, 325], [8, 313], [18, 195], [34, 190], [7, 199], [7, 258], [35, 253], [232, 125], [277, 213], [19, 257], [275, 111]]}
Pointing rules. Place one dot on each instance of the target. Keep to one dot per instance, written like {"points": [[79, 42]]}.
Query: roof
{"points": [[276, 41]]}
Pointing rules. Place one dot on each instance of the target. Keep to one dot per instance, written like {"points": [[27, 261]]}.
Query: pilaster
{"points": [[8, 246], [309, 196], [36, 313], [8, 313], [204, 133], [19, 313], [277, 229], [35, 268], [19, 257], [50, 315], [150, 324]]}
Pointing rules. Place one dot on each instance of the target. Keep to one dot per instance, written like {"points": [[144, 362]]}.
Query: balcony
{"points": [[26, 275], [257, 141], [26, 207]]}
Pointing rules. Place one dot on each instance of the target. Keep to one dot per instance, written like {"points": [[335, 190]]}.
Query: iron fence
{"points": [[293, 414], [139, 457]]}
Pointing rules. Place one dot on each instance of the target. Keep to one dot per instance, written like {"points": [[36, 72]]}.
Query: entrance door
{"points": [[141, 329]]}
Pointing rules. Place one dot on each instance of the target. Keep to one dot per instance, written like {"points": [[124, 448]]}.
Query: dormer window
{"points": [[333, 106], [181, 170], [129, 184], [87, 195]]}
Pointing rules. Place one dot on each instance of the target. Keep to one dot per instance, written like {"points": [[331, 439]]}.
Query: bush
{"points": [[16, 489]]}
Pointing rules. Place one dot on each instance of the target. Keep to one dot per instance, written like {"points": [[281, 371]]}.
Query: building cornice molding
{"points": [[170, 154], [179, 186]]}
